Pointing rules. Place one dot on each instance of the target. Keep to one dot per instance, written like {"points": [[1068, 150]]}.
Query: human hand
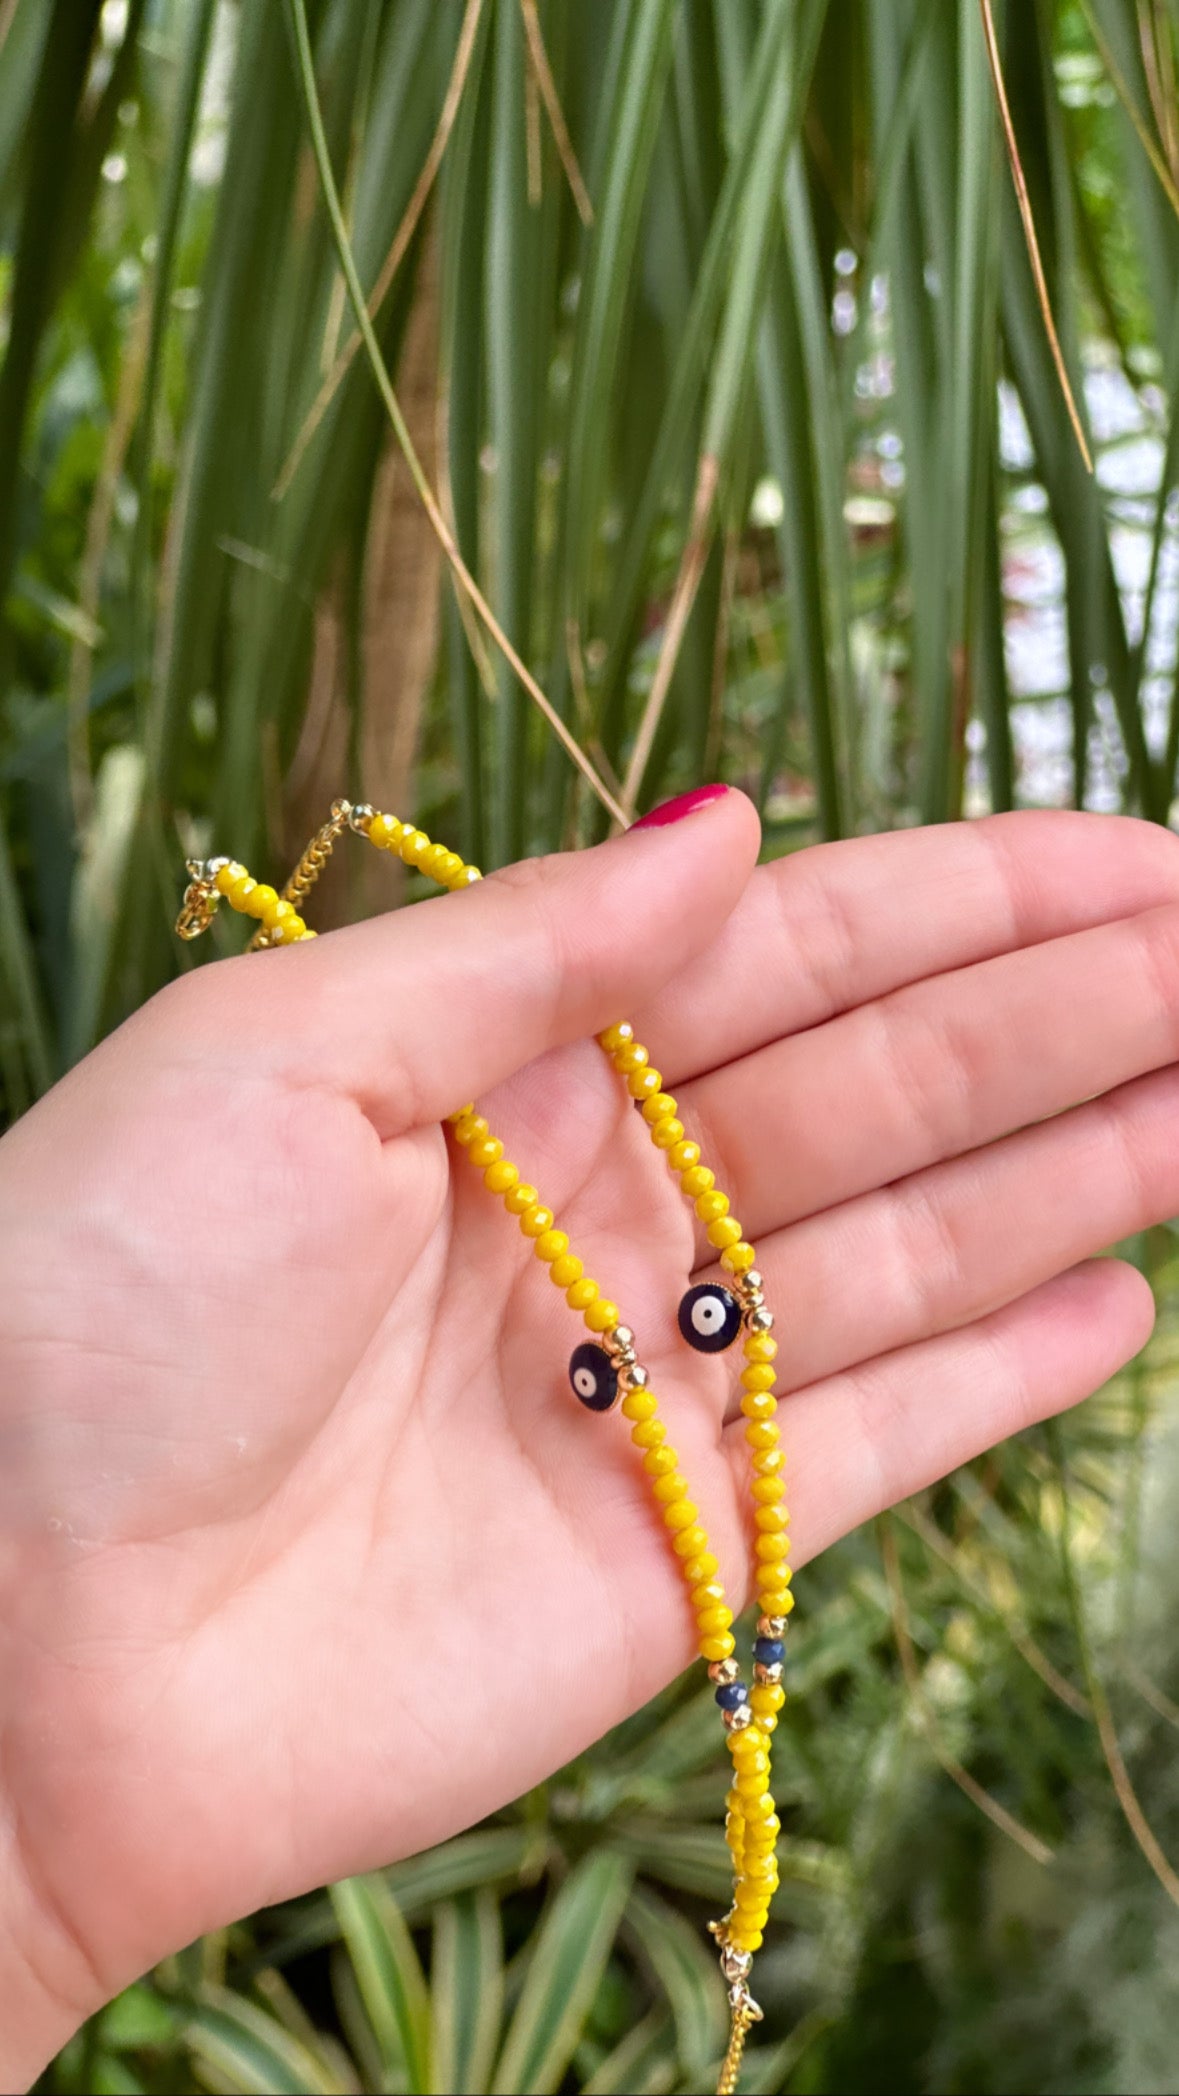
{"points": [[309, 1556]]}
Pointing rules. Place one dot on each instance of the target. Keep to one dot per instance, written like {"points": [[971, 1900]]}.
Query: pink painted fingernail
{"points": [[683, 804]]}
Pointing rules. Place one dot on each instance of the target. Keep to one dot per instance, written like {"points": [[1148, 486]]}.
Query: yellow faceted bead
{"points": [[745, 1746], [639, 1404], [660, 1462], [449, 869], [759, 1404], [658, 1108], [282, 912], [711, 1620], [667, 1133], [414, 844], [758, 1376], [649, 1433], [738, 1258], [433, 860], [601, 1316], [762, 1433], [771, 1548], [260, 901], [683, 1156], [239, 892], [765, 1877], [697, 1181], [227, 875], [709, 1593], [500, 1177], [776, 1600], [725, 1231], [680, 1515], [769, 1462], [764, 1810], [566, 1270], [382, 830], [712, 1207], [767, 1491], [487, 1150], [582, 1293], [644, 1084], [746, 1940], [771, 1519], [751, 1783], [700, 1568], [630, 1056], [550, 1245], [615, 1036], [761, 1346], [468, 877], [767, 1698], [690, 1541], [536, 1220], [722, 1646], [749, 1898], [521, 1198], [670, 1488], [471, 1129]]}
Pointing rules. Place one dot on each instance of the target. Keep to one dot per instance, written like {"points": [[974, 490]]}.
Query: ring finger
{"points": [[959, 1240]]}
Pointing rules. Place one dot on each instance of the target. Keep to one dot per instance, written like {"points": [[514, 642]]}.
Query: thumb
{"points": [[414, 1012]]}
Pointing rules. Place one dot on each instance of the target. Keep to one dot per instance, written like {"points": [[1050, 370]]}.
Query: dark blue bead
{"points": [[768, 1651], [732, 1695]]}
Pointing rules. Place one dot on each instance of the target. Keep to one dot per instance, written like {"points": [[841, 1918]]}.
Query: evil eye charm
{"points": [[593, 1376], [710, 1317]]}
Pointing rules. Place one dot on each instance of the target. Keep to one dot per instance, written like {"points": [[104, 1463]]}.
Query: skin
{"points": [[307, 1557]]}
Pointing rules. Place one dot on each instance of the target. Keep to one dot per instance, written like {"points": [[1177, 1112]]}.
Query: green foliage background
{"points": [[801, 339]]}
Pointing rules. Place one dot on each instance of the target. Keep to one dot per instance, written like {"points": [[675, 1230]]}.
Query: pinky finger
{"points": [[858, 1442]]}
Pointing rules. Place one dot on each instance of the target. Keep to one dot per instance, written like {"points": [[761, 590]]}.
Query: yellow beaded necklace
{"points": [[605, 1372]]}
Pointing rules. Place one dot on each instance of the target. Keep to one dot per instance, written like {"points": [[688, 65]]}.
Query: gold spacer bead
{"points": [[724, 1672], [737, 1720], [633, 1376], [759, 1320], [763, 1675], [772, 1626]]}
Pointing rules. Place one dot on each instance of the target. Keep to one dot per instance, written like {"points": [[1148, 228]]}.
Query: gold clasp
{"points": [[200, 898]]}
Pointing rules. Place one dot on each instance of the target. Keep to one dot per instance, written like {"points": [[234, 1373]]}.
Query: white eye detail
{"points": [[585, 1382], [708, 1315]]}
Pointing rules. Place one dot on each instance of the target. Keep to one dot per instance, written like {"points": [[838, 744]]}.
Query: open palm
{"points": [[309, 1557]]}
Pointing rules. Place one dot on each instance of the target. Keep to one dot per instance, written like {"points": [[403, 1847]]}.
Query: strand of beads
{"points": [[751, 1716], [500, 1176]]}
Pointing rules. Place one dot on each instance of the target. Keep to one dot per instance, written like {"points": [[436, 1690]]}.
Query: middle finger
{"points": [[938, 1068]]}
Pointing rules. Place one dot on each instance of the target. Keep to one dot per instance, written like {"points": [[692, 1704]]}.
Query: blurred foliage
{"points": [[755, 444]]}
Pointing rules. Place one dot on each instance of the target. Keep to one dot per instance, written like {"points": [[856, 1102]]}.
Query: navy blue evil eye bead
{"points": [[593, 1376], [732, 1695], [768, 1652], [710, 1317]]}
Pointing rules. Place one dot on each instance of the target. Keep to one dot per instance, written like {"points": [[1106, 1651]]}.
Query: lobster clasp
{"points": [[200, 898]]}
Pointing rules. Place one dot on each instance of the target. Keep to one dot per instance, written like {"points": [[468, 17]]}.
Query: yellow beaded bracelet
{"points": [[605, 1372]]}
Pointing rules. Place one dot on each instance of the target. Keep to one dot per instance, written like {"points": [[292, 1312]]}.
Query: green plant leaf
{"points": [[466, 1992], [388, 1974], [566, 1961]]}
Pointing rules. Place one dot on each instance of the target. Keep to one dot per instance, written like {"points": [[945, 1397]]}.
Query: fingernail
{"points": [[683, 804]]}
